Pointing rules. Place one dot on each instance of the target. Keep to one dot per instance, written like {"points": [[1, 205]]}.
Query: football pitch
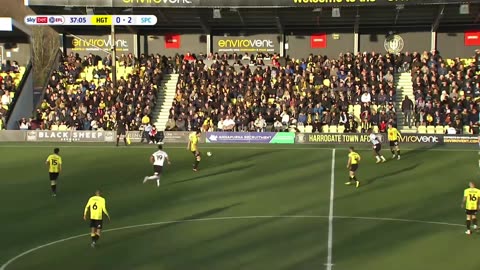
{"points": [[249, 207]]}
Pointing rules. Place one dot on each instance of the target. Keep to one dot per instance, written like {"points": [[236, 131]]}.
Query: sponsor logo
{"points": [[419, 139], [31, 136], [338, 138], [30, 20], [246, 45], [42, 19], [96, 44], [394, 44]]}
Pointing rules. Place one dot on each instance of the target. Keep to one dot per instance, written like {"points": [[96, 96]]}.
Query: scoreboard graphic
{"points": [[89, 20]]}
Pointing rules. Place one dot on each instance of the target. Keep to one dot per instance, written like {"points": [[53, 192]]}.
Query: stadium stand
{"points": [[351, 93], [81, 95], [446, 94], [10, 77]]}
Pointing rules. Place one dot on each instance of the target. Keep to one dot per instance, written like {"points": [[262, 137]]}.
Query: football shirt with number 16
{"points": [[472, 196]]}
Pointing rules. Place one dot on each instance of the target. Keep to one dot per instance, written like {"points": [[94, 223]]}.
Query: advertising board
{"points": [[249, 44], [250, 137], [69, 136]]}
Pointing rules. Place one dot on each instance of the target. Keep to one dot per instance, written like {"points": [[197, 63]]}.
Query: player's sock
{"points": [[196, 164], [468, 224], [153, 177], [474, 222], [378, 158], [393, 152], [118, 141], [92, 235], [398, 152], [158, 182], [97, 237], [383, 158], [54, 189]]}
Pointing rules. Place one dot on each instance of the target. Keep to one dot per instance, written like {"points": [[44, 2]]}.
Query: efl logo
{"points": [[42, 19], [56, 20]]}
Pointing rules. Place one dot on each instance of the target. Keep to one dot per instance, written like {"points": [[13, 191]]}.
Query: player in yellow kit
{"points": [[352, 165], [471, 197], [97, 207], [393, 135], [193, 147], [54, 163]]}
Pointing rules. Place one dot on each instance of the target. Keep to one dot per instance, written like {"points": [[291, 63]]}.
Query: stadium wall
{"points": [[170, 44], [19, 51], [328, 43], [412, 41], [451, 44]]}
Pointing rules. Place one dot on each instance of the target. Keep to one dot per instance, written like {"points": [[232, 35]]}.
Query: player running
{"points": [[97, 207], [193, 147], [54, 163], [122, 128], [377, 146], [393, 135], [158, 160], [470, 201], [352, 165]]}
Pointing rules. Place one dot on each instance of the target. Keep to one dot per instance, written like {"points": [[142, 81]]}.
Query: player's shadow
{"points": [[220, 172], [420, 150], [392, 173]]}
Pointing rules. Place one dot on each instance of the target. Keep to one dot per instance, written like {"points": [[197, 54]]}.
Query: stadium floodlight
{"points": [[217, 14], [464, 9], [336, 12]]}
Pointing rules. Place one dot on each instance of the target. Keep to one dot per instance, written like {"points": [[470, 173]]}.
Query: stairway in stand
{"points": [[404, 87], [166, 94]]}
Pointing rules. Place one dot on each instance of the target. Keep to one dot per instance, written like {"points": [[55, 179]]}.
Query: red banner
{"points": [[172, 41], [318, 41], [472, 38]]}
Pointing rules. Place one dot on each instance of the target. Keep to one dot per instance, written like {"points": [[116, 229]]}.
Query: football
{"points": [[209, 154]]}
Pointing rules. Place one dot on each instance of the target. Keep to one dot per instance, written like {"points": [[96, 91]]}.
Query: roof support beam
{"points": [[204, 25], [279, 24], [242, 21], [164, 17], [438, 18]]}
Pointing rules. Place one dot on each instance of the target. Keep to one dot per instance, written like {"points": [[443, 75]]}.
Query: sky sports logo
{"points": [[48, 20]]}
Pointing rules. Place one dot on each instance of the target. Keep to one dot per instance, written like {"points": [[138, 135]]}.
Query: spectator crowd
{"points": [[242, 93], [9, 70]]}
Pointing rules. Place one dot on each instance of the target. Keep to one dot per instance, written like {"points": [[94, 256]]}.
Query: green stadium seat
{"points": [[375, 129], [422, 129], [466, 130], [332, 129], [440, 130], [430, 130], [62, 128], [308, 129], [54, 127], [301, 128], [325, 129], [341, 129]]}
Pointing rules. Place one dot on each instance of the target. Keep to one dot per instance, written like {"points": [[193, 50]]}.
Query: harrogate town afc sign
{"points": [[394, 44]]}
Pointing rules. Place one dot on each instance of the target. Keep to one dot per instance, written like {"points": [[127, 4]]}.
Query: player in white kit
{"points": [[158, 160], [377, 146]]}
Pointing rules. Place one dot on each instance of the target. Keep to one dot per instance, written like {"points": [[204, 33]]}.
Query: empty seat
{"points": [[422, 129], [430, 129]]}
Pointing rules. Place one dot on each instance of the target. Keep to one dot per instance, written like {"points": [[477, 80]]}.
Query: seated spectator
{"points": [[228, 124]]}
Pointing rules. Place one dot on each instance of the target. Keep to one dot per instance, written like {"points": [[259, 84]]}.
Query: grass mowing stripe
{"points": [[330, 213]]}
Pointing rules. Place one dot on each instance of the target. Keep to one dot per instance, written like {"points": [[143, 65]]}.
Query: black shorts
{"points": [[471, 212], [95, 223], [353, 167], [53, 176], [157, 169], [393, 143], [377, 147], [121, 132]]}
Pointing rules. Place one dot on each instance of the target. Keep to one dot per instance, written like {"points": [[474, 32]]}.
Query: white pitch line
{"points": [[330, 214], [216, 146], [4, 266]]}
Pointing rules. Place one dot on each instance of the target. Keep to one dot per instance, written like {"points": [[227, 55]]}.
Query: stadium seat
{"points": [[440, 130], [325, 129], [431, 130], [308, 129], [374, 107], [375, 129], [341, 129], [357, 110], [54, 127], [422, 129], [62, 128], [466, 130], [301, 128], [332, 129], [350, 109]]}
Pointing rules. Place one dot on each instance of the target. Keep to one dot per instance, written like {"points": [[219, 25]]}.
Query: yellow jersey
{"points": [[393, 134], [193, 141], [354, 158], [54, 163], [97, 206], [472, 195]]}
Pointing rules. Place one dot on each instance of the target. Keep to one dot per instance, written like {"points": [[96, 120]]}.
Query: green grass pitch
{"points": [[249, 207]]}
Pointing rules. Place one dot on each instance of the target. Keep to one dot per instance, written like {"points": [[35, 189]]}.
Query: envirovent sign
{"points": [[250, 44]]}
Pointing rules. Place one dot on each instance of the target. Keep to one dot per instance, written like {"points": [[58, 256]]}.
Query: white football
{"points": [[209, 154]]}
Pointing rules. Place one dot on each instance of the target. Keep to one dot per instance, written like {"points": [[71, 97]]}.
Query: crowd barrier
{"points": [[231, 137]]}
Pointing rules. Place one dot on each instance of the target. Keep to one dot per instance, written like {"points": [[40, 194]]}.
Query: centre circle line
{"points": [[6, 264]]}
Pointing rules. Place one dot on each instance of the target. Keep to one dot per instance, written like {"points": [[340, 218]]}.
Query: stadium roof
{"points": [[11, 30], [295, 18]]}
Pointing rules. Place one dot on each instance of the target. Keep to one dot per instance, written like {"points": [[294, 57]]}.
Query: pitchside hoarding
{"points": [[251, 137], [251, 44], [236, 3], [345, 138]]}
